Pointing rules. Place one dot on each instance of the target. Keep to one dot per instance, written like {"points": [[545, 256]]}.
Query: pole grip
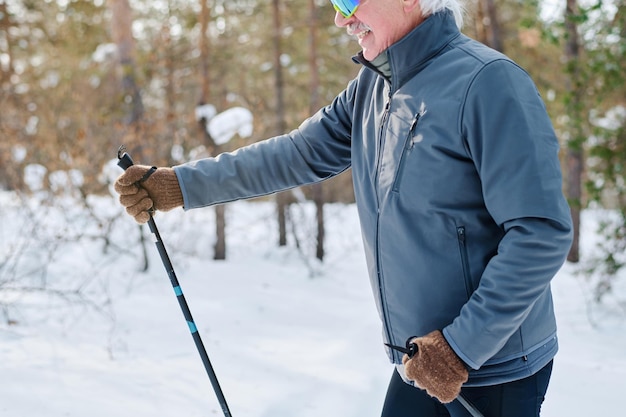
{"points": [[124, 159]]}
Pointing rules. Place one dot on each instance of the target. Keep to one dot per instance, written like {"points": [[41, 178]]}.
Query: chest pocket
{"points": [[412, 138]]}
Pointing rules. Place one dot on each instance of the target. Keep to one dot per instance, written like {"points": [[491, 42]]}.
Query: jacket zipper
{"points": [[383, 304], [469, 288], [408, 147], [381, 143]]}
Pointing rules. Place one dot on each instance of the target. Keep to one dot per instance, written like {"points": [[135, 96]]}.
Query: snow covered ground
{"points": [[287, 336]]}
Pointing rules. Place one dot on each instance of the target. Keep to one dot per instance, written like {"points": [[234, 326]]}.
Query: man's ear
{"points": [[411, 6]]}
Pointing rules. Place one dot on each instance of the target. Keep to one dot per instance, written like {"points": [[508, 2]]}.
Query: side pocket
{"points": [[461, 235]]}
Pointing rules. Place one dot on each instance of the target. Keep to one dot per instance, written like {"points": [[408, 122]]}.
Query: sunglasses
{"points": [[345, 7]]}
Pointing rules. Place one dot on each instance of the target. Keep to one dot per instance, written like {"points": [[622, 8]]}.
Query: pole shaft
{"points": [[187, 314], [469, 406]]}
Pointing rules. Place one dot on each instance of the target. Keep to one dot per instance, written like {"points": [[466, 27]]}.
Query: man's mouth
{"points": [[362, 34], [359, 31]]}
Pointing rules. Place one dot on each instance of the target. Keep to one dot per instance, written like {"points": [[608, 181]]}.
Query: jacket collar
{"points": [[411, 53]]}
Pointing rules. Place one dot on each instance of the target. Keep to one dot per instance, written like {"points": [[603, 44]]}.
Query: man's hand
{"points": [[435, 367], [143, 189]]}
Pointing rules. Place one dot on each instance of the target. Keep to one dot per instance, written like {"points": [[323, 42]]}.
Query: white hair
{"points": [[429, 7]]}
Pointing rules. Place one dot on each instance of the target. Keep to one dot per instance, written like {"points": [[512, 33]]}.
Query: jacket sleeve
{"points": [[317, 150], [510, 138]]}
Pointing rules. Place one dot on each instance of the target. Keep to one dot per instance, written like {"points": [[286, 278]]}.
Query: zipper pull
{"points": [[415, 120], [418, 138], [461, 233]]}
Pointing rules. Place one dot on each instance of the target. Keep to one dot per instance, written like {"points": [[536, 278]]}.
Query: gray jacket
{"points": [[458, 187]]}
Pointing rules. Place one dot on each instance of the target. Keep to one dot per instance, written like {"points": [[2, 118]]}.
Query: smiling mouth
{"points": [[359, 31], [362, 34]]}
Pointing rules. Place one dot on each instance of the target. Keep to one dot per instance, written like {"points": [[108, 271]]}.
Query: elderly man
{"points": [[458, 187]]}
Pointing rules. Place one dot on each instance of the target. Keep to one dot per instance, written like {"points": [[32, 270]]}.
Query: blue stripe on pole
{"points": [[178, 291], [192, 326]]}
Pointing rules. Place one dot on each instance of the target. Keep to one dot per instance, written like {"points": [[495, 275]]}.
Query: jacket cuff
{"points": [[470, 364]]}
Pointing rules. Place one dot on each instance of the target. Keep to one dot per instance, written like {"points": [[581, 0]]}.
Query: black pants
{"points": [[521, 398]]}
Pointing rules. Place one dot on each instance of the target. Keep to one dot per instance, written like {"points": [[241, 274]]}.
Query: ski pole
{"points": [[411, 350], [125, 161], [469, 406]]}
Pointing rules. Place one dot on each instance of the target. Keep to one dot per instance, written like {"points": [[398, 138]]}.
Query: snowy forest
{"points": [[177, 80]]}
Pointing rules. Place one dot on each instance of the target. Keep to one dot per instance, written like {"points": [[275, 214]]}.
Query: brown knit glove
{"points": [[141, 193], [435, 367]]}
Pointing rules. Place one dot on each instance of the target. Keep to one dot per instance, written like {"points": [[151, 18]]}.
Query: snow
{"points": [[286, 334], [223, 126], [236, 120]]}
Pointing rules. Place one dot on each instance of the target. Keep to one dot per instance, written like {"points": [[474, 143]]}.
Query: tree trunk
{"points": [[170, 94], [121, 32], [5, 26], [318, 189], [494, 33], [8, 179], [488, 25], [219, 250], [204, 52], [220, 232], [574, 154], [281, 198]]}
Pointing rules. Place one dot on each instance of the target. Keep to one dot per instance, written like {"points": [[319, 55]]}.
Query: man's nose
{"points": [[341, 21]]}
